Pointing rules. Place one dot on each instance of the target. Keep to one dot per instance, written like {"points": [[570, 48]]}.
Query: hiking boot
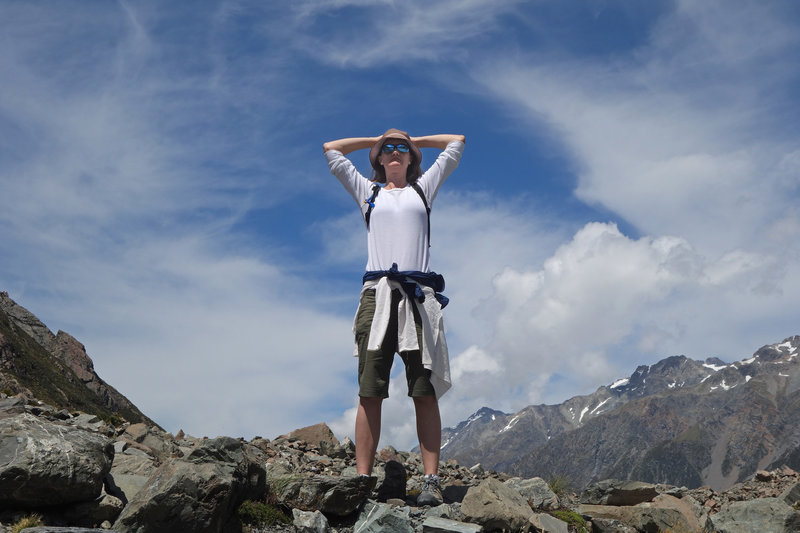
{"points": [[431, 491]]}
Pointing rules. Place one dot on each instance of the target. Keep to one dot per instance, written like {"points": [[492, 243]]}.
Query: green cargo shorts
{"points": [[375, 366]]}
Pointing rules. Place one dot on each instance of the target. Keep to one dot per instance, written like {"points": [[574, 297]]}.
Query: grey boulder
{"points": [[198, 493], [46, 463]]}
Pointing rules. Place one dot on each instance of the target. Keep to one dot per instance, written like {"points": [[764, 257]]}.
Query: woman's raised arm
{"points": [[439, 141], [350, 144]]}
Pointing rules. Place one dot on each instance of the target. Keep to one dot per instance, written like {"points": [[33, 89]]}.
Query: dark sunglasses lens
{"points": [[389, 148]]}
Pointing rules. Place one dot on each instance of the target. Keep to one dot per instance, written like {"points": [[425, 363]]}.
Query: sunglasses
{"points": [[389, 148]]}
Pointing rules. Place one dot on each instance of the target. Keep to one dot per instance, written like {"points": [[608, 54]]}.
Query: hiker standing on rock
{"points": [[400, 307]]}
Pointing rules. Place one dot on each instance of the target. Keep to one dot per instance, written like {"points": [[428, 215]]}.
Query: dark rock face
{"points": [[679, 421]]}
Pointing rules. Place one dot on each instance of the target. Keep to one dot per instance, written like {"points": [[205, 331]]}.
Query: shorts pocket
{"points": [[366, 310]]}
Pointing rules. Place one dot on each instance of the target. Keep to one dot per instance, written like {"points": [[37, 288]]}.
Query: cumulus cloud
{"points": [[604, 301]]}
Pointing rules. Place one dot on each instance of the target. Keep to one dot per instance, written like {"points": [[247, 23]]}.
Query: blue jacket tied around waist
{"points": [[409, 279]]}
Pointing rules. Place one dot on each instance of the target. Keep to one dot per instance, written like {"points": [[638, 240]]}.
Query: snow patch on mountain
{"points": [[510, 424], [619, 383]]}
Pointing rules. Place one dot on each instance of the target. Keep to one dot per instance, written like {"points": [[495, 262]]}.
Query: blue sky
{"points": [[628, 192]]}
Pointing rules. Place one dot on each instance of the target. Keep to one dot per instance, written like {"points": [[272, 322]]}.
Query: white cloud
{"points": [[119, 209], [585, 299], [604, 301], [677, 127], [398, 32]]}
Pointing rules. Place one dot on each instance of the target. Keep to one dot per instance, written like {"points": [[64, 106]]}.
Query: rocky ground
{"points": [[77, 471]]}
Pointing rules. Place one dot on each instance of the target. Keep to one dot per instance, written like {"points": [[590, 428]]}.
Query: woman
{"points": [[400, 304]]}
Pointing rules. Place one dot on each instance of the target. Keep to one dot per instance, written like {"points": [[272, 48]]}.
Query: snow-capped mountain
{"points": [[679, 421]]}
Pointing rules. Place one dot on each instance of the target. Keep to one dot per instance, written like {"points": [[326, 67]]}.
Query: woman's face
{"points": [[395, 160]]}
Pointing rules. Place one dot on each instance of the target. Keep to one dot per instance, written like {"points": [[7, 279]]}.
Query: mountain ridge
{"points": [[54, 368], [678, 421]]}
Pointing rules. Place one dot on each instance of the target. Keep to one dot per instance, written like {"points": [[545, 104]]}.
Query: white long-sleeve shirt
{"points": [[398, 226]]}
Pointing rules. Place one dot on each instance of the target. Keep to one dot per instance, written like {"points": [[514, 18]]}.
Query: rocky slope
{"points": [[680, 421], [76, 471], [56, 369], [83, 459]]}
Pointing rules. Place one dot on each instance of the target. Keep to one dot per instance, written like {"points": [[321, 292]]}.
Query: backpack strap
{"points": [[371, 201], [417, 188], [377, 188]]}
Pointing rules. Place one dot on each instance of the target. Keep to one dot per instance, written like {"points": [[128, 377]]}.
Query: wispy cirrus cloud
{"points": [[129, 169], [690, 123], [392, 33]]}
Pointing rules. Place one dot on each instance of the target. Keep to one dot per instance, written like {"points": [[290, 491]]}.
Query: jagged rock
{"points": [[88, 422], [496, 506], [380, 517], [609, 525], [47, 463], [763, 475], [765, 515], [130, 471], [544, 523], [791, 495], [536, 491], [11, 406], [198, 493], [136, 432], [310, 522], [348, 445], [694, 514], [450, 511], [104, 508], [616, 492], [388, 453], [151, 440], [638, 517], [435, 524], [317, 435], [338, 496]]}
